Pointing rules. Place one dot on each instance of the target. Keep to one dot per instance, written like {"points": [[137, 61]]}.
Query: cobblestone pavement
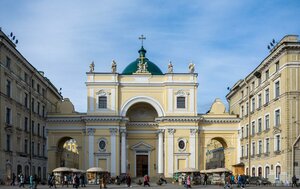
{"points": [[153, 185]]}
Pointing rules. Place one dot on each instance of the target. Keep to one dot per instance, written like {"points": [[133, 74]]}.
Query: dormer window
{"points": [[180, 102], [102, 102]]}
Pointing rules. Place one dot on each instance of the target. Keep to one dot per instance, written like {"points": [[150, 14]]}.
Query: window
{"points": [[242, 151], [8, 63], [276, 66], [180, 102], [267, 96], [267, 75], [8, 142], [181, 144], [38, 107], [267, 145], [259, 170], [253, 85], [258, 81], [32, 83], [43, 111], [39, 129], [102, 102], [247, 108], [26, 100], [267, 122], [38, 149], [43, 150], [32, 148], [8, 88], [253, 128], [43, 92], [38, 88], [32, 127], [277, 143], [242, 92], [278, 171], [253, 105], [247, 149], [44, 131], [259, 101], [253, 148], [242, 134], [259, 126], [259, 147], [267, 172], [277, 118], [26, 77], [247, 130], [26, 124], [242, 111], [26, 146], [253, 171], [102, 145], [277, 89], [8, 116]]}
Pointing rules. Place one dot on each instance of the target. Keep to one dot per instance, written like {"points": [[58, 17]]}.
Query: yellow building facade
{"points": [[142, 121], [268, 104]]}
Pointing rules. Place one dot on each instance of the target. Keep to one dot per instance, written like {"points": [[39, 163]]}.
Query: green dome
{"points": [[133, 67]]}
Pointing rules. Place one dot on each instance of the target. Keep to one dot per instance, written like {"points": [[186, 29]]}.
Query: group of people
{"points": [[33, 180]]}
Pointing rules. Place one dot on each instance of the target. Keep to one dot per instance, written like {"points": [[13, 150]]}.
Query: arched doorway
{"points": [[67, 153], [215, 153]]}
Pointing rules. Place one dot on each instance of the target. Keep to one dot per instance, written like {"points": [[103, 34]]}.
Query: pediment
{"points": [[142, 146]]}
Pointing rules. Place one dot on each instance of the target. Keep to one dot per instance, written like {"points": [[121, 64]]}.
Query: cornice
{"points": [[64, 119], [220, 120], [142, 124], [179, 119], [102, 118]]}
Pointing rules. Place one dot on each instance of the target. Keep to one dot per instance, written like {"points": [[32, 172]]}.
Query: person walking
{"points": [[188, 181], [146, 180], [128, 180], [294, 181], [13, 180], [22, 182]]}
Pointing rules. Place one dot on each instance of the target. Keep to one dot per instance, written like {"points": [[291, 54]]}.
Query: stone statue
{"points": [[145, 66], [170, 67], [113, 66], [192, 67], [92, 67]]}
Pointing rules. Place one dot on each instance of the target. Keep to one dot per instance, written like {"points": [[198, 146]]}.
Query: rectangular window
{"points": [[19, 125], [26, 100], [253, 105], [247, 108], [277, 118], [277, 143], [267, 145], [26, 77], [8, 116], [39, 130], [43, 111], [8, 63], [242, 151], [247, 130], [38, 107], [253, 148], [32, 148], [259, 147], [8, 88], [32, 83], [8, 142], [267, 96], [38, 149], [247, 149], [242, 111], [26, 124], [26, 146], [242, 92], [253, 85], [276, 66], [258, 81], [267, 75], [242, 134], [277, 89], [267, 122], [259, 124], [43, 131], [43, 150], [253, 128], [180, 102], [102, 102], [259, 101], [32, 127], [38, 88], [32, 104], [43, 92]]}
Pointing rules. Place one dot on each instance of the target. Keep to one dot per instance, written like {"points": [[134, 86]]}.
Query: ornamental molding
{"points": [[64, 119], [181, 93], [171, 131], [142, 124], [179, 119], [102, 92], [90, 131], [193, 132], [113, 131], [98, 118], [220, 120]]}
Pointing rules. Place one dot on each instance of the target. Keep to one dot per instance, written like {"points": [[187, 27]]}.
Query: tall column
{"points": [[160, 151], [171, 152], [113, 132], [123, 150], [91, 132], [193, 133]]}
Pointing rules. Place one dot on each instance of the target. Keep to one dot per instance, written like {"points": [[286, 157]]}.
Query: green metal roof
{"points": [[132, 67]]}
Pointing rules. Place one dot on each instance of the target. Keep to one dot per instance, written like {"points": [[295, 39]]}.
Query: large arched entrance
{"points": [[215, 157], [67, 153], [141, 139]]}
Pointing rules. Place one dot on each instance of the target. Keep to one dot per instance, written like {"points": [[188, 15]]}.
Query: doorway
{"points": [[141, 165]]}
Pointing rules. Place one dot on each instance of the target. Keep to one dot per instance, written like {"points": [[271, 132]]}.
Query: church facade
{"points": [[141, 121]]}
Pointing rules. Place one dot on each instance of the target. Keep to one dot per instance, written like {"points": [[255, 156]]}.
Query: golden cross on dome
{"points": [[142, 38]]}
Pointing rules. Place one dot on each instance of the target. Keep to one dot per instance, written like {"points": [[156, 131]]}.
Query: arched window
{"points": [[180, 102], [253, 171], [278, 171], [259, 172], [267, 172], [102, 102], [247, 171]]}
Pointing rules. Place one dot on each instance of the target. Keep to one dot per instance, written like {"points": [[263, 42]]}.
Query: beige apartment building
{"points": [[26, 96], [268, 104]]}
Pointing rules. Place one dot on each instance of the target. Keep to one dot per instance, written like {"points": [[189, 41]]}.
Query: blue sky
{"points": [[226, 39]]}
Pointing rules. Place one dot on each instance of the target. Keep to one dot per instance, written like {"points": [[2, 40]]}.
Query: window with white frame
{"points": [[277, 89], [247, 108], [253, 171], [267, 171], [102, 102], [276, 66], [8, 138], [253, 148], [253, 128], [278, 172], [259, 147], [267, 96], [8, 88], [242, 151], [242, 111], [277, 143], [267, 122], [267, 75], [267, 143], [8, 116], [259, 125], [181, 102], [253, 104], [247, 149], [277, 118], [259, 101], [247, 131]]}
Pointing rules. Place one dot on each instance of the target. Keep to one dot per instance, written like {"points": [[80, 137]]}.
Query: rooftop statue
{"points": [[192, 67], [170, 67], [113, 66], [92, 67]]}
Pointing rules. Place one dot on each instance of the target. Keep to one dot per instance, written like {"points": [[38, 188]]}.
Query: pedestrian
{"points": [[146, 180], [13, 179], [188, 181], [294, 181], [22, 182], [205, 179], [128, 180]]}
